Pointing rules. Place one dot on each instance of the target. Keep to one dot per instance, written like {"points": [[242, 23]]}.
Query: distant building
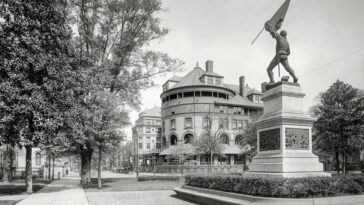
{"points": [[146, 144], [188, 100]]}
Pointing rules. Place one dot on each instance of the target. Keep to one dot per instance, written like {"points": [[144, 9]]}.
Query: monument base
{"points": [[285, 136]]}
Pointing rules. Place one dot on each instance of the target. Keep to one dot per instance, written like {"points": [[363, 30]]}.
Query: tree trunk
{"points": [[53, 159], [337, 161], [211, 161], [49, 167], [7, 165], [344, 162], [85, 166], [28, 168], [99, 168]]}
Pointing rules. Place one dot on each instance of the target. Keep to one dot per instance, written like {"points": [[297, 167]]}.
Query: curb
{"points": [[214, 197]]}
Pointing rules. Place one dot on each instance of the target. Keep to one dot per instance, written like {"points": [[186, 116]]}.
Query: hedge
{"points": [[158, 178], [281, 187]]}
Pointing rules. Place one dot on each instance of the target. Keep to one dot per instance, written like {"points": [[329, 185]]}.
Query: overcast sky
{"points": [[320, 32]]}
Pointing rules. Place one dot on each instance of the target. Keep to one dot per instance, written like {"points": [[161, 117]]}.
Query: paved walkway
{"points": [[158, 197], [59, 192]]}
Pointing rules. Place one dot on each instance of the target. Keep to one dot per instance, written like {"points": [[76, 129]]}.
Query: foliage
{"points": [[37, 78], [158, 178], [340, 125], [281, 187]]}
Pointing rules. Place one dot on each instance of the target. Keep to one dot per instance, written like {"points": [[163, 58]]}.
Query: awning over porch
{"points": [[182, 149], [234, 149]]}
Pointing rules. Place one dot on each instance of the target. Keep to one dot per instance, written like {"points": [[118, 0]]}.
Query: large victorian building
{"points": [[145, 133], [189, 102]]}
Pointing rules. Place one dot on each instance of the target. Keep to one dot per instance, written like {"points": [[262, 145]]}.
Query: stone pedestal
{"points": [[285, 135]]}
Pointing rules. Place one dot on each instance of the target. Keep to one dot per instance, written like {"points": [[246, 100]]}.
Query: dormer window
{"points": [[218, 81], [210, 80]]}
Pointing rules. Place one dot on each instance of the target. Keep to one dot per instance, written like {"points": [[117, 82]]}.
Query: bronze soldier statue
{"points": [[282, 53]]}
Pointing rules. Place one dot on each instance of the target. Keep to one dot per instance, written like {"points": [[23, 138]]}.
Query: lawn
{"points": [[17, 187], [131, 184]]}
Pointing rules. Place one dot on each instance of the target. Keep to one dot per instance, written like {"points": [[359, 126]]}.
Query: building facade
{"points": [[146, 143], [189, 102]]}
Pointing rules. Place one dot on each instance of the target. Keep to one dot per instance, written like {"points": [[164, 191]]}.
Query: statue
{"points": [[282, 52]]}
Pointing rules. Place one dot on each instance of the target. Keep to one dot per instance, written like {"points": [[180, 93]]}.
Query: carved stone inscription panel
{"points": [[297, 139], [269, 140]]}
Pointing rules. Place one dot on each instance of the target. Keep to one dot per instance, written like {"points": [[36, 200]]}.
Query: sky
{"points": [[326, 40]]}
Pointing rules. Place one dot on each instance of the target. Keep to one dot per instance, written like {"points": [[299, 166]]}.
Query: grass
{"points": [[17, 187], [131, 184]]}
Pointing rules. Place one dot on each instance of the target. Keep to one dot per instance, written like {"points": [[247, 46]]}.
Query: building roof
{"points": [[193, 79], [210, 73], [175, 78], [152, 112]]}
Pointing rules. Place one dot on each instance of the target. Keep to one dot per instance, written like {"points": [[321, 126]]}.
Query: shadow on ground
{"points": [[130, 184], [18, 187]]}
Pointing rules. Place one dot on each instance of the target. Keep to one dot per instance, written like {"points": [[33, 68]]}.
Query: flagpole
{"points": [[257, 35]]}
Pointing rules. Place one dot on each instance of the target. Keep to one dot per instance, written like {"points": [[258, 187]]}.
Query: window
{"points": [[173, 96], [180, 95], [188, 94], [188, 139], [38, 159], [223, 109], [210, 80], [239, 140], [163, 125], [218, 81], [148, 130], [164, 141], [224, 123], [245, 124], [173, 140], [237, 110], [188, 122], [153, 131], [206, 123], [173, 124], [214, 94], [234, 124], [140, 145], [240, 124], [197, 93], [224, 139], [148, 122], [206, 93], [148, 145]]}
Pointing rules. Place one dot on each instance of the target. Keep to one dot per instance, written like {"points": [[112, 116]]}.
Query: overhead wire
{"points": [[334, 61]]}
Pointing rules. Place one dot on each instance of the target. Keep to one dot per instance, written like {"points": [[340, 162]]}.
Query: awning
{"points": [[182, 149], [234, 149]]}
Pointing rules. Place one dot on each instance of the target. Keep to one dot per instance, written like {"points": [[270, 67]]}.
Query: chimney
{"points": [[242, 88], [209, 66]]}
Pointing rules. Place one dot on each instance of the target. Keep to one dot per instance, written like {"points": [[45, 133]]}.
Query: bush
{"points": [[158, 178], [281, 187]]}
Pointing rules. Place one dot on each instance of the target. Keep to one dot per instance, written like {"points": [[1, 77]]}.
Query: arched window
{"points": [[164, 142], [188, 139], [38, 159], [173, 140], [224, 139], [239, 139]]}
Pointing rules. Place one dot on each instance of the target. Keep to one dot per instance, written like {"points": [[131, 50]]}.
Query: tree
{"points": [[36, 78], [339, 128], [210, 142], [182, 153], [112, 39]]}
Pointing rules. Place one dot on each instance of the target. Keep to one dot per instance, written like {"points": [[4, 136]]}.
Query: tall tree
{"points": [[36, 78], [112, 40], [340, 124]]}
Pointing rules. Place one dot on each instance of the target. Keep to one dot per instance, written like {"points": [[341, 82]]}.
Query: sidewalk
{"points": [[59, 192]]}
